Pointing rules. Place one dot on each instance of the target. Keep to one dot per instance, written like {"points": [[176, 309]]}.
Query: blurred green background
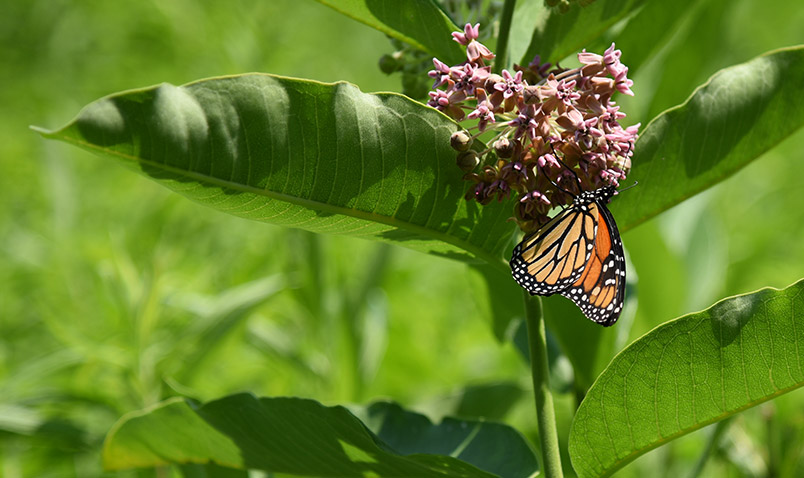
{"points": [[117, 293]]}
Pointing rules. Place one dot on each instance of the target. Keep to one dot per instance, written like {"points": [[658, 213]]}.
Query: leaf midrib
{"points": [[309, 203]]}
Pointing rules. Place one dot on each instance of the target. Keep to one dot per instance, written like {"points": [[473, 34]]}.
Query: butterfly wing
{"points": [[600, 289], [553, 258]]}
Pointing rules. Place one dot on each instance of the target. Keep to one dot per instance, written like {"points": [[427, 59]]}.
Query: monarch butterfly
{"points": [[578, 254]]}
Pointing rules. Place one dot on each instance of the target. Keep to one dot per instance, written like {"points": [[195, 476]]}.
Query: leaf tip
{"points": [[43, 131]]}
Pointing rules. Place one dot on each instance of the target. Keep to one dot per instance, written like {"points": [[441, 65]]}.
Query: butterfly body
{"points": [[578, 254]]}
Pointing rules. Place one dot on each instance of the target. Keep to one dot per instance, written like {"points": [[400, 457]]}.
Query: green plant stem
{"points": [[714, 437], [545, 413], [505, 31]]}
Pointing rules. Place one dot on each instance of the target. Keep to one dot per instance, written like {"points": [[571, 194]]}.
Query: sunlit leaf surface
{"points": [[739, 114], [322, 157], [688, 373]]}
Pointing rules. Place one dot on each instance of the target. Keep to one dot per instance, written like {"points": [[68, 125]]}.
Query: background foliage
{"points": [[119, 294]]}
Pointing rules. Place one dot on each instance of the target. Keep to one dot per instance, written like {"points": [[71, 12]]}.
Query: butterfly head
{"points": [[601, 195]]}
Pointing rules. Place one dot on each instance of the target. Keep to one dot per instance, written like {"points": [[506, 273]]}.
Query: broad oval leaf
{"points": [[729, 121], [649, 30], [562, 34], [688, 373], [331, 159], [322, 157], [492, 447], [422, 24], [302, 437]]}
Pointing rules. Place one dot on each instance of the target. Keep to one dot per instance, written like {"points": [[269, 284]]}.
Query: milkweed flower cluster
{"points": [[552, 125]]}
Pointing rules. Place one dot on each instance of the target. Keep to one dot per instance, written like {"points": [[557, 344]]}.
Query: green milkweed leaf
{"points": [[492, 447], [422, 23], [729, 121], [302, 437], [688, 373], [648, 31], [322, 157], [562, 34], [331, 159]]}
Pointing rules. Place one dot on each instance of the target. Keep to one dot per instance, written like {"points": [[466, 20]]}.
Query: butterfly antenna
{"points": [[628, 187], [577, 179], [554, 183]]}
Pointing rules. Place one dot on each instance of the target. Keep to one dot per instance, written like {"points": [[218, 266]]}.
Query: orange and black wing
{"points": [[600, 289], [553, 258]]}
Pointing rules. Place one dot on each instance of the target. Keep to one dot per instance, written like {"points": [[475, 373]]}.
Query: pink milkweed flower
{"points": [[484, 111], [511, 85], [475, 51], [623, 84], [611, 176], [584, 131], [557, 126], [588, 58], [548, 160], [467, 77], [558, 95], [595, 159], [531, 121], [538, 67], [611, 59], [535, 196], [441, 101], [500, 188], [484, 116], [532, 208], [441, 73], [514, 172], [469, 34], [609, 118]]}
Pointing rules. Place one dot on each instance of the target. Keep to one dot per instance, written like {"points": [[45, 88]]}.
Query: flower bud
{"points": [[531, 94], [467, 161], [390, 63], [460, 141], [504, 148], [492, 80]]}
